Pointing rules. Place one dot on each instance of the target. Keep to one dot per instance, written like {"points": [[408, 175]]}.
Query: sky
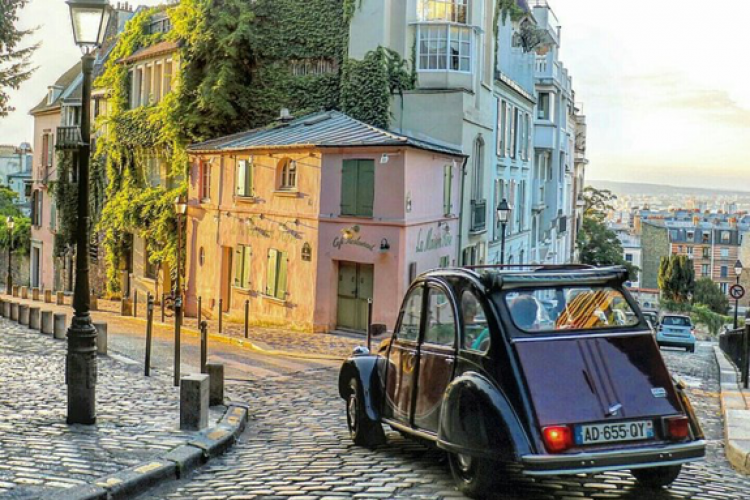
{"points": [[662, 83]]}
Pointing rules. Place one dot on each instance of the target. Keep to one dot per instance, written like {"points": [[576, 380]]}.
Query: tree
{"points": [[15, 65], [709, 294], [676, 278], [597, 244], [22, 227]]}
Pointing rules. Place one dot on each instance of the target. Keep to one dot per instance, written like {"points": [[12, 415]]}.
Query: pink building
{"points": [[308, 220]]}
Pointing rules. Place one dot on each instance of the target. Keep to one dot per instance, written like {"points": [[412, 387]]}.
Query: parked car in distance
{"points": [[531, 366], [676, 330]]}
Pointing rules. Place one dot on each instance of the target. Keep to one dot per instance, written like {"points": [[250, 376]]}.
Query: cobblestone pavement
{"points": [[298, 446], [137, 418]]}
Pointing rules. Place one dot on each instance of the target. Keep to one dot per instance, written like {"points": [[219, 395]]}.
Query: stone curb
{"points": [[171, 466], [736, 413]]}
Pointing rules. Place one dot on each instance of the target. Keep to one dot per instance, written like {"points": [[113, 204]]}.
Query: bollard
{"points": [[15, 290], [149, 332], [23, 314], [35, 294], [101, 338], [60, 298], [221, 314], [200, 311], [135, 304], [60, 322], [24, 292], [47, 325], [204, 346], [14, 311], [215, 373], [247, 318], [2, 307], [35, 322], [48, 296], [194, 402], [93, 302], [6, 308], [163, 296]]}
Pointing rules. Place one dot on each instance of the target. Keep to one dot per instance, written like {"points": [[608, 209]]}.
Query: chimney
{"points": [[285, 116]]}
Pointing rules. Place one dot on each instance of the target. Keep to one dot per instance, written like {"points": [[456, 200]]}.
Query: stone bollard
{"points": [[60, 298], [93, 303], [101, 338], [194, 402], [47, 325], [14, 311], [215, 373], [6, 308], [48, 296], [23, 314], [35, 294], [24, 292], [60, 324], [35, 319], [15, 290], [126, 307], [2, 307]]}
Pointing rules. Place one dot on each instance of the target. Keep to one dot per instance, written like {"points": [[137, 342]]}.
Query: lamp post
{"points": [[89, 19], [180, 207], [503, 216], [738, 272], [9, 280]]}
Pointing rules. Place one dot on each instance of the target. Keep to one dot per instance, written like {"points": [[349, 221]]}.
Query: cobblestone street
{"points": [[298, 446]]}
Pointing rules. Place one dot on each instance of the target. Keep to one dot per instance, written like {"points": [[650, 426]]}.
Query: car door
{"points": [[437, 355], [400, 378]]}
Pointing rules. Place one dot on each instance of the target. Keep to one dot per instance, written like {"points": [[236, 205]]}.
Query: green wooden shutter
{"points": [[365, 188], [238, 266], [240, 189], [281, 278], [249, 170], [248, 251], [447, 181], [271, 267], [349, 188]]}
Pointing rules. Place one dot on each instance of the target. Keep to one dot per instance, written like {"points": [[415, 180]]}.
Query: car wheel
{"points": [[474, 477], [691, 349], [657, 477], [364, 431]]}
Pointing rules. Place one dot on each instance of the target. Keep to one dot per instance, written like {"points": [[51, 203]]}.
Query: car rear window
{"points": [[569, 308], [676, 321]]}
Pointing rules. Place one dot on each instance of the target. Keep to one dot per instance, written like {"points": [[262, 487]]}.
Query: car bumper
{"points": [[638, 458], [675, 341]]}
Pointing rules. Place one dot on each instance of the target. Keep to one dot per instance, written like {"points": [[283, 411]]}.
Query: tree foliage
{"points": [[15, 61], [709, 294], [676, 278], [22, 224]]}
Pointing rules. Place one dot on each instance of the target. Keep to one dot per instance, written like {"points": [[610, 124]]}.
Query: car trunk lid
{"points": [[583, 379]]}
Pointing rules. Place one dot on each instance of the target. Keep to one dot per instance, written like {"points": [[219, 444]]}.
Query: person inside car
{"points": [[525, 312]]}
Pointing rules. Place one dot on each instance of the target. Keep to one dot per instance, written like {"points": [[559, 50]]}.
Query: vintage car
{"points": [[530, 366]]}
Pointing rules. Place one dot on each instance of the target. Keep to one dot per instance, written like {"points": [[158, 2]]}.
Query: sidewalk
{"points": [[40, 454], [735, 407]]}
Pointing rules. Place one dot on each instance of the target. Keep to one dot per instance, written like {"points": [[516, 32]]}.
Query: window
{"points": [[150, 270], [724, 272], [513, 131], [725, 236], [53, 215], [522, 135], [476, 331], [706, 237], [411, 316], [706, 253], [36, 208], [242, 262], [276, 274], [47, 152], [477, 187], [691, 235], [724, 288], [445, 48], [629, 257], [724, 253], [287, 174], [445, 261], [358, 188], [205, 181], [501, 128], [452, 11], [244, 183], [704, 269], [440, 328], [544, 110], [529, 138], [447, 189], [167, 84], [690, 250]]}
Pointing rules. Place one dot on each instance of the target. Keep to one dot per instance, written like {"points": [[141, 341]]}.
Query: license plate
{"points": [[614, 432]]}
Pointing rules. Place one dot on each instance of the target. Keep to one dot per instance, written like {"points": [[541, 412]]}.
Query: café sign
{"points": [[433, 240]]}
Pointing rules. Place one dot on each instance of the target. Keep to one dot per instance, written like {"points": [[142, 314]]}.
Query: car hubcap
{"points": [[352, 410]]}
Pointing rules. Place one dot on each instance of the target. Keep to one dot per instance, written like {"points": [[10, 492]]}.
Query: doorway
{"points": [[36, 266], [226, 278], [354, 290]]}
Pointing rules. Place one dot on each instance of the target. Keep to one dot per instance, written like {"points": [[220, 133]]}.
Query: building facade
{"points": [[16, 163], [309, 220]]}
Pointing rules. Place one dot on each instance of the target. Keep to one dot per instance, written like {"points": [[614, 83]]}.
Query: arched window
{"points": [[287, 174]]}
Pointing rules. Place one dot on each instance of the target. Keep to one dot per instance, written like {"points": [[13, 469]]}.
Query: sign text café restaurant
{"points": [[308, 219]]}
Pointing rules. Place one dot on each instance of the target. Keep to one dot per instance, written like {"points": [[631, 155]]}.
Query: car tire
{"points": [[657, 477], [363, 430], [474, 477], [691, 349]]}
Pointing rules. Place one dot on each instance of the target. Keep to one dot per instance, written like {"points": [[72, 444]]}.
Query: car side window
{"points": [[412, 314], [476, 329], [441, 321]]}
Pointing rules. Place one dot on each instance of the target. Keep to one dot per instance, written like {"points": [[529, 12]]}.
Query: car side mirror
{"points": [[375, 330]]}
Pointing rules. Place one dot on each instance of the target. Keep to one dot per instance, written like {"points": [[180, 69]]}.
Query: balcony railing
{"points": [[68, 138], [478, 215]]}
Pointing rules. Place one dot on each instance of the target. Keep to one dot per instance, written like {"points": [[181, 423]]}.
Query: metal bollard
{"points": [[247, 318], [221, 314], [149, 332], [163, 296], [35, 320], [204, 346], [60, 328], [47, 323], [200, 311], [135, 304], [101, 338], [23, 315]]}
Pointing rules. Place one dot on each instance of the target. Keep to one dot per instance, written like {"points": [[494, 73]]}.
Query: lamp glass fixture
{"points": [[90, 19], [180, 206], [10, 222], [503, 211], [738, 268]]}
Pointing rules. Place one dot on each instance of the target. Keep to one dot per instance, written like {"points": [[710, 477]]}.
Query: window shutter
{"points": [[281, 279], [273, 257], [349, 188], [240, 181], [248, 252], [50, 149], [365, 188], [249, 171], [238, 266], [447, 188]]}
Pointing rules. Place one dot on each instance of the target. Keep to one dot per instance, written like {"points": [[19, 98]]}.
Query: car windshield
{"points": [[676, 321], [569, 308]]}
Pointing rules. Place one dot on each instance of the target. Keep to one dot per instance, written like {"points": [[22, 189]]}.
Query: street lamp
{"points": [[180, 208], [9, 280], [503, 216], [737, 272], [89, 19]]}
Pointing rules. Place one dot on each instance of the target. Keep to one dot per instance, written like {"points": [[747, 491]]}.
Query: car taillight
{"points": [[692, 331], [678, 428], [557, 438]]}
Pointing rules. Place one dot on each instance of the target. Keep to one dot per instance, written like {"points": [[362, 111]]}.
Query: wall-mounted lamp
{"points": [[384, 245], [350, 232], [384, 159]]}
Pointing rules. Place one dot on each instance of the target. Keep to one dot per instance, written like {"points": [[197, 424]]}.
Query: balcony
{"points": [[68, 138], [478, 216]]}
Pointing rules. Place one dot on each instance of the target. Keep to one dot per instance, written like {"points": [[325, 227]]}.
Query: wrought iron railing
{"points": [[68, 138]]}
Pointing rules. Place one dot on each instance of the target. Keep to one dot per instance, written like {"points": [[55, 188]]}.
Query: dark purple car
{"points": [[551, 367]]}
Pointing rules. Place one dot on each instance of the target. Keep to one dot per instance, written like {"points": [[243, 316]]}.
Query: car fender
{"points": [[364, 369], [476, 418], [695, 425]]}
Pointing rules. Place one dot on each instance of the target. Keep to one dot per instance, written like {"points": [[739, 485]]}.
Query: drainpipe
{"points": [[459, 255]]}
